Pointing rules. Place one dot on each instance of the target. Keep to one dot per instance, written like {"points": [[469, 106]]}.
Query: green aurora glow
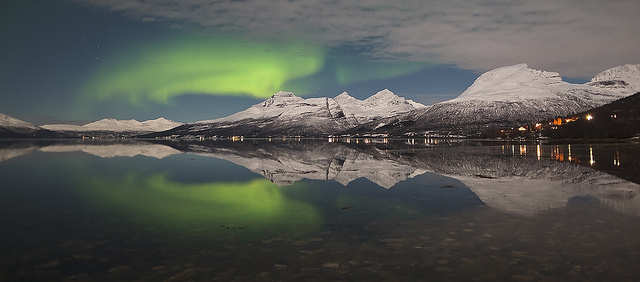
{"points": [[258, 204], [192, 64], [201, 65]]}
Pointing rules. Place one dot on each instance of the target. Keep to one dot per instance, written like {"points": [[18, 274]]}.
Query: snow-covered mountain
{"points": [[624, 78], [11, 127], [110, 125], [512, 96], [381, 105], [285, 114], [114, 125]]}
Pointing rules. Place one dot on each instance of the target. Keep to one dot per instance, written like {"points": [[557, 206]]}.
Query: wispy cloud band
{"points": [[573, 37]]}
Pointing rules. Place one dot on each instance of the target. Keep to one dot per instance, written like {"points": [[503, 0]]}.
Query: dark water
{"points": [[401, 210]]}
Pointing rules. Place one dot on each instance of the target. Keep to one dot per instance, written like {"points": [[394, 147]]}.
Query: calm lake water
{"points": [[299, 210]]}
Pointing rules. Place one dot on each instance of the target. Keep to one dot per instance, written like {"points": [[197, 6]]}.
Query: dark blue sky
{"points": [[80, 61]]}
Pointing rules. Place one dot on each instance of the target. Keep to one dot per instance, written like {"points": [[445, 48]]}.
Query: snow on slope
{"points": [[276, 105], [287, 104], [611, 78], [285, 114], [7, 121], [382, 104], [519, 83], [282, 114], [511, 96], [114, 125], [14, 128]]}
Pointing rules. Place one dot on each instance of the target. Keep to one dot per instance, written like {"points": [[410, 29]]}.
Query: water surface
{"points": [[413, 209]]}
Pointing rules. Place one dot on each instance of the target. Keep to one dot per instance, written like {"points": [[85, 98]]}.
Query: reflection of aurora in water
{"points": [[258, 205]]}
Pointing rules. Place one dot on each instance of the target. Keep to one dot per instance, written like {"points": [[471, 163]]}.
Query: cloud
{"points": [[573, 37]]}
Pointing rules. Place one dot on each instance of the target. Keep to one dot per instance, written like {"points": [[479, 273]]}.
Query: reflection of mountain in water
{"points": [[116, 149], [514, 184], [12, 150], [288, 162], [509, 183], [528, 186], [105, 149]]}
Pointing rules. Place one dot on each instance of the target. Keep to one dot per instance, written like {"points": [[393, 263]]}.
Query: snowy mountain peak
{"points": [[620, 72], [111, 123], [281, 99], [625, 76], [7, 121], [518, 71], [384, 97], [160, 119], [343, 96], [513, 83], [390, 102], [283, 94], [384, 93], [160, 124]]}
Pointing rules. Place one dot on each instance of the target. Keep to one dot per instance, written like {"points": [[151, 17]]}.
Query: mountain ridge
{"points": [[504, 97], [508, 96], [11, 127], [284, 114], [115, 125]]}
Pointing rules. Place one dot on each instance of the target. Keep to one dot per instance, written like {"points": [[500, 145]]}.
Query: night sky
{"points": [[189, 60]]}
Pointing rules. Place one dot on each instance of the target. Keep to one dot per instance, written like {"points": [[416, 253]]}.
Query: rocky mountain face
{"points": [[510, 96], [285, 114], [14, 128]]}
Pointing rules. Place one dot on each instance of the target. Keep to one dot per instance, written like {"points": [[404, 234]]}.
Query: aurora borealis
{"points": [[202, 65], [72, 61]]}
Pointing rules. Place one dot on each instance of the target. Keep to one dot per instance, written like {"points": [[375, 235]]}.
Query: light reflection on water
{"points": [[369, 209]]}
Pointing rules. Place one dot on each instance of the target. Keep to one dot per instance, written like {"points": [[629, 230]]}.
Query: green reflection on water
{"points": [[250, 206]]}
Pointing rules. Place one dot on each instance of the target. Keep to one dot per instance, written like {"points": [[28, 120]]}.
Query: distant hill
{"points": [[11, 127], [110, 127]]}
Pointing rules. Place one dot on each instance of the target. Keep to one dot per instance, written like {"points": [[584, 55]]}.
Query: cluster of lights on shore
{"points": [[557, 152], [560, 121]]}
